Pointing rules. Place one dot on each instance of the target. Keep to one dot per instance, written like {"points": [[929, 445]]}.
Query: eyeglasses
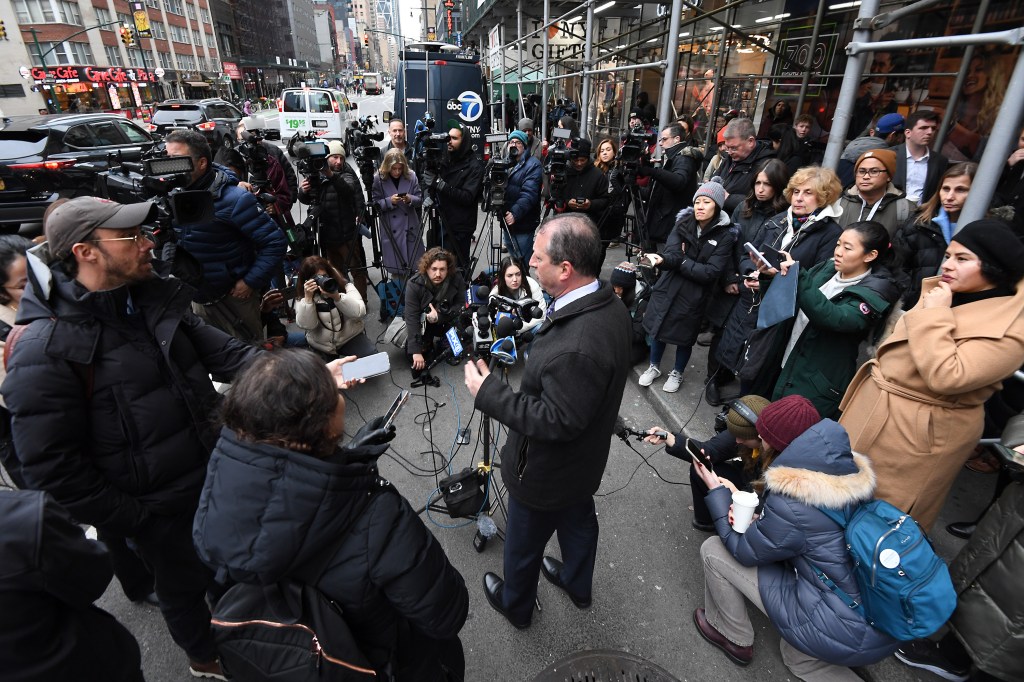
{"points": [[137, 238], [873, 172]]}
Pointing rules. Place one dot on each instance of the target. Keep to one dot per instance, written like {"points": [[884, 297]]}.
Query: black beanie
{"points": [[624, 275], [995, 243]]}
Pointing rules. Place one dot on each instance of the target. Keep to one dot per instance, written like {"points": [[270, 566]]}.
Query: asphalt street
{"points": [[649, 577]]}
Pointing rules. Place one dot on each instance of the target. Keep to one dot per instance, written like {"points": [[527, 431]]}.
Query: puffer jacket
{"points": [[816, 470], [242, 241], [989, 616], [681, 294], [135, 441], [812, 243], [459, 191], [266, 512], [920, 249], [330, 330], [522, 195]]}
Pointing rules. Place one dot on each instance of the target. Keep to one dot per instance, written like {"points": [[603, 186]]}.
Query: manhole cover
{"points": [[603, 665]]}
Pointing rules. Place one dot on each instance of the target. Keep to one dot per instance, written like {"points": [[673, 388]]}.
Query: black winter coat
{"points": [[672, 189], [738, 176], [135, 441], [688, 278], [742, 317], [419, 294], [590, 184], [560, 421], [459, 193], [340, 204], [816, 470], [266, 512], [49, 628], [920, 249]]}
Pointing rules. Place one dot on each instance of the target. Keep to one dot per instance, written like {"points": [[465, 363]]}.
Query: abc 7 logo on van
{"points": [[469, 106]]}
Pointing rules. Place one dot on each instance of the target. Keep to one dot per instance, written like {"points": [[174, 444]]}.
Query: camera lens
{"points": [[327, 283]]}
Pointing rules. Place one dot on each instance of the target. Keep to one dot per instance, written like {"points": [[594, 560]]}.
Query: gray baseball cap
{"points": [[73, 221]]}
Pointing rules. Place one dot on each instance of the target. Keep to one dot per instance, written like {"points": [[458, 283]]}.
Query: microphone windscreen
{"points": [[505, 327], [620, 425]]}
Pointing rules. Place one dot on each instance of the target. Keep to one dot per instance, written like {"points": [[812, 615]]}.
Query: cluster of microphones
{"points": [[492, 327]]}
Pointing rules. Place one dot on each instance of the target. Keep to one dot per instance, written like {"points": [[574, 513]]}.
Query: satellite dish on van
{"points": [[432, 46]]}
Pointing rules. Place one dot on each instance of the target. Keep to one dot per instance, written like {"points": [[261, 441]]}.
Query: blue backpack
{"points": [[905, 588]]}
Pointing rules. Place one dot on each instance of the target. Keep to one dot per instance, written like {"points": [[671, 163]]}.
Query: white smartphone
{"points": [[395, 408], [364, 368], [757, 254]]}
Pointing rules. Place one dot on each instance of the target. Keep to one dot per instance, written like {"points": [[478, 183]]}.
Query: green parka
{"points": [[824, 359]]}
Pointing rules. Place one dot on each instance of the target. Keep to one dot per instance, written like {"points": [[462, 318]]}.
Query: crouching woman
{"points": [[770, 563]]}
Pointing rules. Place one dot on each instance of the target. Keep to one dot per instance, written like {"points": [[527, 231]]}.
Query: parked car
{"points": [[43, 157], [215, 118]]}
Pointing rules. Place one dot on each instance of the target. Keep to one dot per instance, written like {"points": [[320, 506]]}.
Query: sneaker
{"points": [[209, 670], [673, 382], [925, 654], [648, 377]]}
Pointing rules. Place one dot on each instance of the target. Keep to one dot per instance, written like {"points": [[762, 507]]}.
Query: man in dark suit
{"points": [[918, 168], [560, 421]]}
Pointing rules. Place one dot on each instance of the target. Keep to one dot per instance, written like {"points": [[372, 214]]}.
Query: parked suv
{"points": [[42, 157], [214, 118]]}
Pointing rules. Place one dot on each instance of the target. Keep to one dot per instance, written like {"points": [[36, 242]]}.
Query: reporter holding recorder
{"points": [[806, 463]]}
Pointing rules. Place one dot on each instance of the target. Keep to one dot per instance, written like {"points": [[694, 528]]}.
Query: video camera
{"points": [[257, 158], [361, 141], [312, 158], [498, 170], [434, 151], [635, 151]]}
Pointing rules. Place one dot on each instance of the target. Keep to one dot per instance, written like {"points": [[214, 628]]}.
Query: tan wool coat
{"points": [[917, 410]]}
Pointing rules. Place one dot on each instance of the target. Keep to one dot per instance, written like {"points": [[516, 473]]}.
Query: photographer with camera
{"points": [[455, 189], [255, 126], [272, 192], [433, 297], [336, 190], [522, 196], [239, 250], [329, 310], [672, 186]]}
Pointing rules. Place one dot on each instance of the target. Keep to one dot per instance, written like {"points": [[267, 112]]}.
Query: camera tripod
{"points": [[638, 231]]}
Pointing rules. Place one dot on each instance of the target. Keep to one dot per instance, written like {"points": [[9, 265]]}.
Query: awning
{"points": [[198, 84]]}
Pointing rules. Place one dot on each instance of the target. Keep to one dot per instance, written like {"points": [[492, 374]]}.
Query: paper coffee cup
{"points": [[743, 506]]}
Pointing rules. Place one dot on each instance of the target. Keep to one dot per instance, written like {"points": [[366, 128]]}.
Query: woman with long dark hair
{"points": [[280, 494], [330, 311], [839, 302], [514, 283], [921, 243]]}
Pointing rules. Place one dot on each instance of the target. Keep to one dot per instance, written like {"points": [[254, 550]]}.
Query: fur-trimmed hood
{"points": [[820, 470]]}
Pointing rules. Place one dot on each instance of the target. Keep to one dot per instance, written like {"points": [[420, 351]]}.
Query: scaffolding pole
{"points": [[543, 108], [668, 83], [850, 85], [1000, 140], [585, 95]]}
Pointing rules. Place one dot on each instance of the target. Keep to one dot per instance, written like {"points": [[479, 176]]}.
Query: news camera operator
{"points": [[239, 250], [456, 189], [560, 422], [339, 195], [586, 187], [308, 502], [522, 195], [433, 297], [672, 188], [254, 124]]}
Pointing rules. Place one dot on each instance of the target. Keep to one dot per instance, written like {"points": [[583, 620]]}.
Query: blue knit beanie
{"points": [[519, 135]]}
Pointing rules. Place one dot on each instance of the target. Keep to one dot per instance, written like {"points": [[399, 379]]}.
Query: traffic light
{"points": [[3, 31], [126, 37], [366, 39]]}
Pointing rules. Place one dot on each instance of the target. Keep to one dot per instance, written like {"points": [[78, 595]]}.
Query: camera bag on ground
{"points": [[462, 493], [289, 631], [905, 588]]}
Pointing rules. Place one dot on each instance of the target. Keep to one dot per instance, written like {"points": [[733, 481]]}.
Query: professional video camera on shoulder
{"points": [[558, 156], [256, 155], [635, 151]]}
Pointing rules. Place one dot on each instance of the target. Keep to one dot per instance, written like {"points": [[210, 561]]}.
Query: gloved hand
{"points": [[429, 178], [372, 433]]}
